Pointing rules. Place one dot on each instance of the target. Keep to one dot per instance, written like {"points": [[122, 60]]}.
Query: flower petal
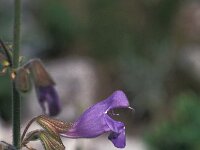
{"points": [[117, 100], [90, 124], [49, 95], [95, 121], [117, 135]]}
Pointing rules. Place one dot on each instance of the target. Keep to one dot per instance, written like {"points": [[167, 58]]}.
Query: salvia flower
{"points": [[96, 121], [44, 86]]}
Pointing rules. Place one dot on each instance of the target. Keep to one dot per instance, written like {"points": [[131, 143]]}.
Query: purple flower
{"points": [[96, 121], [48, 95], [44, 86]]}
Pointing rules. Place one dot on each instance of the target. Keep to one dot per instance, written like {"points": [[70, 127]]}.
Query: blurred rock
{"points": [[189, 62], [187, 23]]}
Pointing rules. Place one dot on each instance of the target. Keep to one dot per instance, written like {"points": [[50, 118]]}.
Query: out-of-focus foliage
{"points": [[5, 98], [181, 132], [59, 28]]}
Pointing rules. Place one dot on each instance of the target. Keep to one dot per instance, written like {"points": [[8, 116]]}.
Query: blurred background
{"points": [[150, 49]]}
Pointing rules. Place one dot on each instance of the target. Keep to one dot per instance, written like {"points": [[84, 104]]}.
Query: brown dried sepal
{"points": [[22, 80], [31, 136], [40, 75], [53, 126], [47, 140]]}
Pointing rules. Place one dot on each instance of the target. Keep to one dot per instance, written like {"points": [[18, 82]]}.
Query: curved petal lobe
{"points": [[49, 95]]}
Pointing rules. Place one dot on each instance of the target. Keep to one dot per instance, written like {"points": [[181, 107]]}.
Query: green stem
{"points": [[16, 116], [17, 23], [16, 100]]}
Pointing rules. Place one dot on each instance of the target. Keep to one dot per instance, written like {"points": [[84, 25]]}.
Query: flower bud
{"points": [[40, 75], [22, 80]]}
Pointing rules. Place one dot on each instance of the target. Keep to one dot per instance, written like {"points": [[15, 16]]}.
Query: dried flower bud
{"points": [[22, 80], [53, 126], [40, 75]]}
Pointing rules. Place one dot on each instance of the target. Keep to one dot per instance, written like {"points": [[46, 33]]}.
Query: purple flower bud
{"points": [[95, 121], [44, 86], [48, 95]]}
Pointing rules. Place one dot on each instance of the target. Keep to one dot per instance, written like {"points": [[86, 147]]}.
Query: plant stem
{"points": [[16, 100], [17, 23], [16, 116]]}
